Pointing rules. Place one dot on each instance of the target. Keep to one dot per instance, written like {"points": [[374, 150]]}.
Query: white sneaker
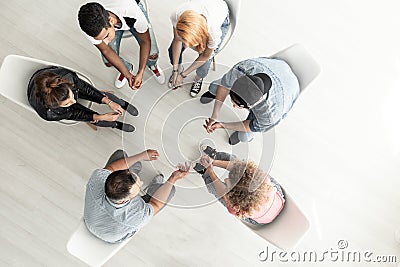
{"points": [[158, 74], [120, 80]]}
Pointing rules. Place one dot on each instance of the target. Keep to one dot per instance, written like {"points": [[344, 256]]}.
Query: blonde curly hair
{"points": [[192, 28], [249, 191]]}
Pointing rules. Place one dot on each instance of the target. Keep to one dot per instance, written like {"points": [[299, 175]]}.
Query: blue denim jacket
{"points": [[282, 95]]}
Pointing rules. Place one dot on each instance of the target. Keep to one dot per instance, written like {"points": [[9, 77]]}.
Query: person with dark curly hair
{"points": [[104, 23], [53, 93], [248, 193]]}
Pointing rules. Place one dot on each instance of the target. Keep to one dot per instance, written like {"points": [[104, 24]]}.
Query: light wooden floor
{"points": [[337, 152]]}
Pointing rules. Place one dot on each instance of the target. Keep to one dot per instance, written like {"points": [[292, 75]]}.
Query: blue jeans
{"points": [[115, 43], [202, 71]]}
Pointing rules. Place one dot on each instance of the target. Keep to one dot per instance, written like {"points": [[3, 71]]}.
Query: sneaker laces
{"points": [[197, 86]]}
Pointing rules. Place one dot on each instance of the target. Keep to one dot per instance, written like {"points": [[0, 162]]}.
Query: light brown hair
{"points": [[192, 28], [249, 191]]}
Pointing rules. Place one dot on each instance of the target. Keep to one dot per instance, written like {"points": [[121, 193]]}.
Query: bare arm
{"points": [[219, 186], [200, 60], [242, 126], [224, 164], [144, 53], [124, 163], [160, 197], [220, 97], [114, 60]]}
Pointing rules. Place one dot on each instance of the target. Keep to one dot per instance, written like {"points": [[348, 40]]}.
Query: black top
{"points": [[80, 89]]}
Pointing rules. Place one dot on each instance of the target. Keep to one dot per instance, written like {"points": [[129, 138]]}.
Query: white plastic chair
{"points": [[15, 73], [90, 249], [291, 224], [301, 62], [286, 231], [234, 9]]}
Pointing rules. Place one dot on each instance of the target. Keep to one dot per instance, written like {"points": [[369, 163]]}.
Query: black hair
{"points": [[237, 99], [93, 18], [118, 185]]}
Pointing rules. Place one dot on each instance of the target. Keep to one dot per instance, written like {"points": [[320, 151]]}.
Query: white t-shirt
{"points": [[215, 12], [121, 9]]}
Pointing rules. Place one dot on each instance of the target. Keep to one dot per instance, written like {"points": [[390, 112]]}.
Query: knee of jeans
{"points": [[202, 73], [245, 137], [153, 57]]}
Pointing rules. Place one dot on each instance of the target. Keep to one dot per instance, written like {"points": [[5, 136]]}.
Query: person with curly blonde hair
{"points": [[248, 193], [201, 25]]}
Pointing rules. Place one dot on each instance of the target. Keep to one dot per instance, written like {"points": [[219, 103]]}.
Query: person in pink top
{"points": [[248, 192]]}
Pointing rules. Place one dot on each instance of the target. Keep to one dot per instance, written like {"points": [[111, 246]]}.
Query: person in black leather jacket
{"points": [[53, 93]]}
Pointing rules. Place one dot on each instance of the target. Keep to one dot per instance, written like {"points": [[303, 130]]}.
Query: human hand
{"points": [[150, 154], [211, 124], [111, 116], [179, 174], [138, 80], [206, 161], [177, 82], [116, 107], [183, 166], [131, 81]]}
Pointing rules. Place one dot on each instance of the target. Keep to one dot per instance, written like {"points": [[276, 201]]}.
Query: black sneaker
{"points": [[196, 87], [211, 152], [131, 109], [199, 168], [207, 97], [124, 127], [234, 138]]}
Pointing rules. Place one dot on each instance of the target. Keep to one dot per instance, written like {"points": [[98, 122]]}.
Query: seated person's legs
{"points": [[155, 184]]}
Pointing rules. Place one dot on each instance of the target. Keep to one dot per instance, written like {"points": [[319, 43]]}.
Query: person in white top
{"points": [[201, 25], [104, 24]]}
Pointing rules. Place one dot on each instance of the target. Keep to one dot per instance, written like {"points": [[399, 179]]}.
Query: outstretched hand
{"points": [[150, 154], [206, 161]]}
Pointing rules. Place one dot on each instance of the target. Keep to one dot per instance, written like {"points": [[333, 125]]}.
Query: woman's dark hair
{"points": [[51, 89], [93, 18], [118, 184]]}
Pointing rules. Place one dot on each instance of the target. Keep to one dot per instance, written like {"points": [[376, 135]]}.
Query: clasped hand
{"points": [[211, 124]]}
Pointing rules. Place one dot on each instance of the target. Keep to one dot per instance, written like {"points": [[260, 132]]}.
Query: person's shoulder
{"points": [[138, 205], [99, 175]]}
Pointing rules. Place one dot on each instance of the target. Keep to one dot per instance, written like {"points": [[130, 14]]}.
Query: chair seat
{"points": [[90, 249], [286, 231], [15, 73]]}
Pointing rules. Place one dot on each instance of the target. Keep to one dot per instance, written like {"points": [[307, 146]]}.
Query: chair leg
{"points": [[213, 61], [92, 126]]}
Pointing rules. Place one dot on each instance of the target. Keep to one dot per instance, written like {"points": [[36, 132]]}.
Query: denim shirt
{"points": [[282, 94]]}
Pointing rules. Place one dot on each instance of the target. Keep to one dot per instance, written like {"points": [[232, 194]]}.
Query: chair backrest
{"points": [[302, 63], [15, 73], [90, 249], [287, 229], [234, 9]]}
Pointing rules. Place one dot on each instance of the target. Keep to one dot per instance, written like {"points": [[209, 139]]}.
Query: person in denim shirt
{"points": [[267, 87]]}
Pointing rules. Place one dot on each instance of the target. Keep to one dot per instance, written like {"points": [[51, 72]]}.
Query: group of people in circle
{"points": [[266, 87]]}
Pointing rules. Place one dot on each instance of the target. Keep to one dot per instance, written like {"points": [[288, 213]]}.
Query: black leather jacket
{"points": [[81, 89]]}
